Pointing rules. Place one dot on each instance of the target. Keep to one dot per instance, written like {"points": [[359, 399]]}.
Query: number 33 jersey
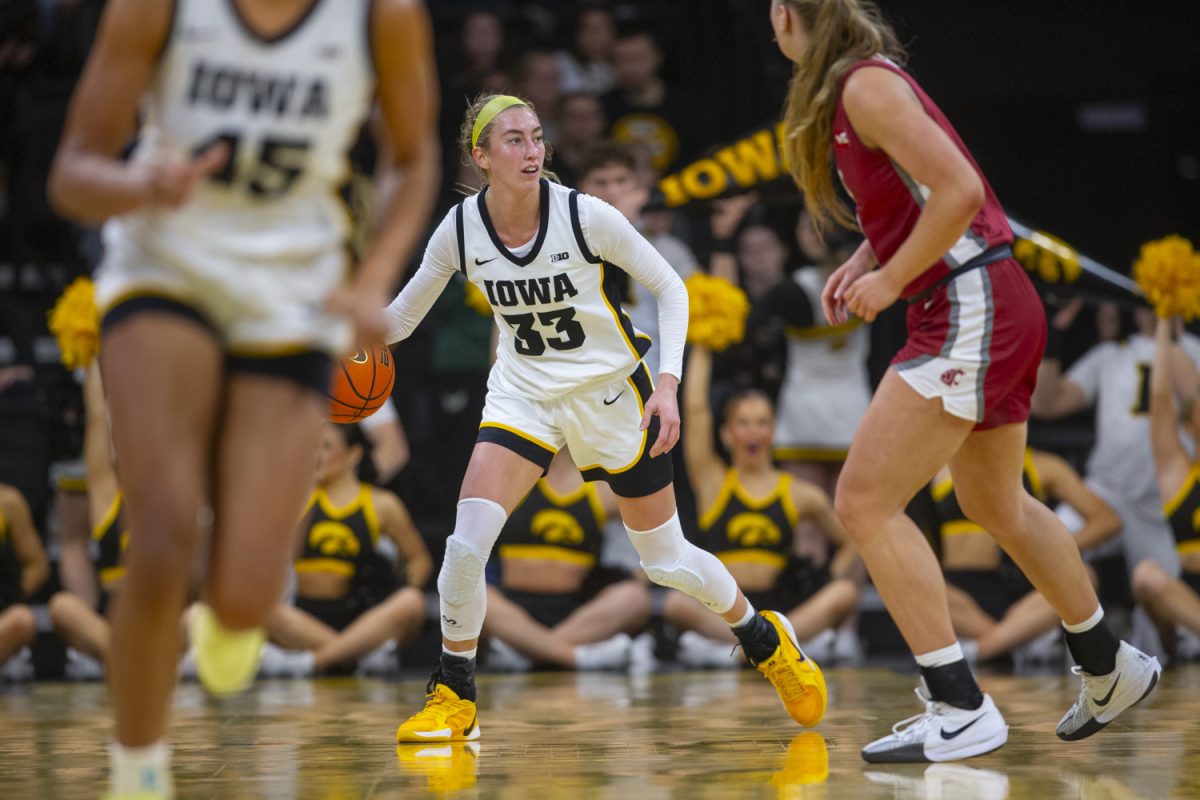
{"points": [[557, 304], [288, 108]]}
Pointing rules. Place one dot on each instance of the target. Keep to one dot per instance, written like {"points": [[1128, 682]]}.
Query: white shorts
{"points": [[816, 420], [599, 425], [257, 310]]}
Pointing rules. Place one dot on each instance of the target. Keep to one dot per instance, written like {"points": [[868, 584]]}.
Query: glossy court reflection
{"points": [[672, 736]]}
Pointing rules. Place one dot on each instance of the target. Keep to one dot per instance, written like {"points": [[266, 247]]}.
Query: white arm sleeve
{"points": [[438, 265], [610, 236]]}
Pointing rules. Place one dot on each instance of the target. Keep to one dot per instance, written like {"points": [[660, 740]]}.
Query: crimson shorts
{"points": [[976, 343]]}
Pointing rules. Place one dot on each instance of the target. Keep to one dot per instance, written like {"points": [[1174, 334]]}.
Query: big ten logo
{"points": [[333, 539], [752, 529], [754, 159], [557, 527]]}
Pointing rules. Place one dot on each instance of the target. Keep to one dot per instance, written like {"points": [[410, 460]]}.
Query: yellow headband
{"points": [[486, 114]]}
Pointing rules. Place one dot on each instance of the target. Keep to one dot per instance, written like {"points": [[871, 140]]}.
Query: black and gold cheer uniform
{"points": [[739, 529], [110, 539], [557, 527], [10, 569], [342, 541], [995, 590], [1183, 513]]}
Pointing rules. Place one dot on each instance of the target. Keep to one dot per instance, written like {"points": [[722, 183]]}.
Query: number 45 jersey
{"points": [[288, 108], [555, 301]]}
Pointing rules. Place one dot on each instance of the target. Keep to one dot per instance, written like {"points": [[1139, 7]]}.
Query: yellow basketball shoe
{"points": [[226, 661], [446, 768], [445, 718], [798, 679]]}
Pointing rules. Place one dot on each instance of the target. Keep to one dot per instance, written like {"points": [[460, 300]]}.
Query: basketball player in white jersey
{"points": [[222, 297], [569, 371], [1115, 377]]}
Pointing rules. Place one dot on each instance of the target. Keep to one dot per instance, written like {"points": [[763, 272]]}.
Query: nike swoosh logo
{"points": [[615, 399], [471, 727], [479, 263], [1104, 701], [948, 735]]}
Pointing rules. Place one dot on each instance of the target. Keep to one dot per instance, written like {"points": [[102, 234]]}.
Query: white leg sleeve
{"points": [[460, 583], [671, 560]]}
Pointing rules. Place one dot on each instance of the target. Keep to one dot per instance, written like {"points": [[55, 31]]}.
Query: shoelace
{"points": [[435, 706], [914, 723], [1085, 689], [787, 680]]}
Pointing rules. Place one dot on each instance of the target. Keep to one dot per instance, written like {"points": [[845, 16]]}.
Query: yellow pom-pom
{"points": [[718, 312], [477, 301], [75, 323], [1168, 271]]}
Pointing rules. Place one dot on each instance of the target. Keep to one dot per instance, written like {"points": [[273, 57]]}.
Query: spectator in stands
{"points": [[994, 608], [1114, 377], [538, 80], [608, 171], [587, 66], [23, 570], [748, 512], [349, 599], [643, 107], [1173, 603], [582, 127], [554, 602]]}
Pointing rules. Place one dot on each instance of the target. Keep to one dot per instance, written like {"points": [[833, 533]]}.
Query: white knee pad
{"points": [[671, 560], [463, 596]]}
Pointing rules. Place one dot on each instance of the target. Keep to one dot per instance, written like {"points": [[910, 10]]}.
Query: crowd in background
{"points": [[610, 84]]}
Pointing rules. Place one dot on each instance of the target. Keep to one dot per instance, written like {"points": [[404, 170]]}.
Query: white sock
{"points": [[1087, 624], [140, 769], [940, 658], [461, 653], [745, 620]]}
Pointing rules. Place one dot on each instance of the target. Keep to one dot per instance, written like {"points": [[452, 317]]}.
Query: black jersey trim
{"points": [[137, 303], [543, 225], [462, 239], [278, 37], [311, 369], [615, 279], [517, 443], [573, 205]]}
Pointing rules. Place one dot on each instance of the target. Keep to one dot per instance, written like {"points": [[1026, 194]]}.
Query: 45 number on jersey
{"points": [[267, 170]]}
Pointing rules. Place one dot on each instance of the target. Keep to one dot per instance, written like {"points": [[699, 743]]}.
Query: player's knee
{"points": [[20, 624], [462, 570], [857, 514], [1149, 580], [238, 609]]}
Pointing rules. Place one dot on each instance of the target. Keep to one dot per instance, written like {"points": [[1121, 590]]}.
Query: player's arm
{"points": [[812, 503], [705, 468], [1100, 521], [438, 265], [611, 237], [398, 526], [88, 180], [1170, 459], [408, 100], [887, 115], [26, 543]]}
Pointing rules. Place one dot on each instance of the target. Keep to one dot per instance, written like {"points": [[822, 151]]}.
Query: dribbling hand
{"points": [[833, 301], [171, 183], [665, 406], [870, 295]]}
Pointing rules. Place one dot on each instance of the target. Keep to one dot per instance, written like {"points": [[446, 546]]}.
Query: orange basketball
{"points": [[361, 383]]}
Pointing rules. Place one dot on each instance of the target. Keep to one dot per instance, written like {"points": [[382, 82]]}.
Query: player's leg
{"points": [[273, 411], [397, 617], [78, 624], [688, 614], [163, 372], [498, 476], [621, 607], [987, 481]]}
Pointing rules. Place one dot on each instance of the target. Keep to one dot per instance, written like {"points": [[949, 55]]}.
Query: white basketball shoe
{"points": [[943, 733], [1103, 697]]}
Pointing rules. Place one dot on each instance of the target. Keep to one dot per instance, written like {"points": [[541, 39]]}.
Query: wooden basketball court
{"points": [[675, 735]]}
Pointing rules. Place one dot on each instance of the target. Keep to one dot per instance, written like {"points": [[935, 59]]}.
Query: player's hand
{"points": [[363, 306], [833, 301], [664, 405], [868, 296], [171, 183]]}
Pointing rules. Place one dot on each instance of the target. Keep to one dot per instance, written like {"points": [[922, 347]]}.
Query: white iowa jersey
{"points": [[1115, 376], [558, 308], [289, 108], [827, 352]]}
